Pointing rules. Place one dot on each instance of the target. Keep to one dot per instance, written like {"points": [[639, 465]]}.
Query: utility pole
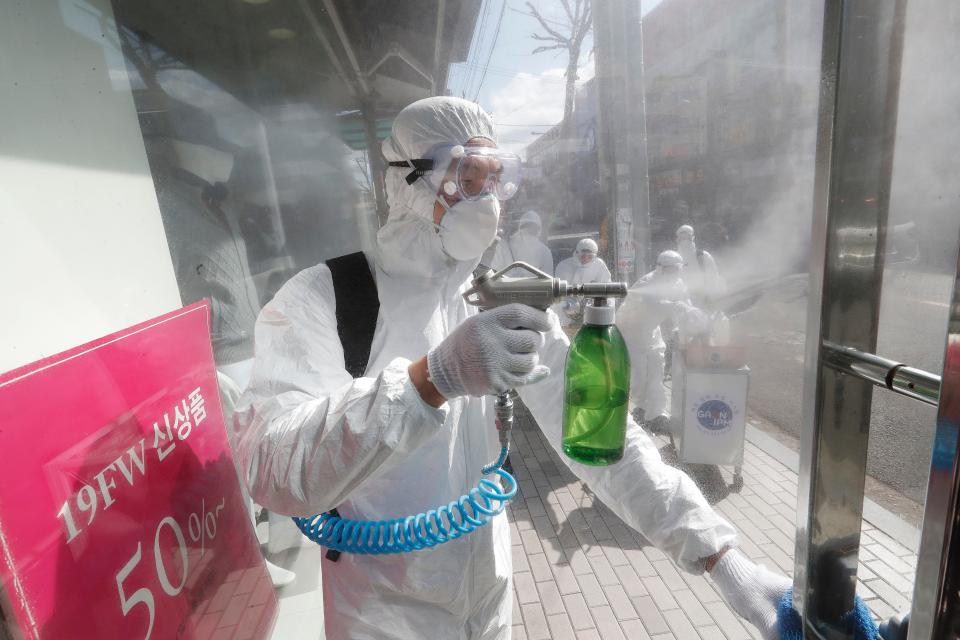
{"points": [[621, 135]]}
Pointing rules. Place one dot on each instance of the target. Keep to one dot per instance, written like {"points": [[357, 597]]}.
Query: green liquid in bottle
{"points": [[596, 390]]}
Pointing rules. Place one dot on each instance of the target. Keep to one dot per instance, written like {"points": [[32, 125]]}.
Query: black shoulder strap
{"points": [[700, 258], [357, 308]]}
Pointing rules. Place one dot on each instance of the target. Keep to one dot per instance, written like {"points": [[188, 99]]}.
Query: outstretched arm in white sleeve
{"points": [[654, 498], [309, 433], [662, 503]]}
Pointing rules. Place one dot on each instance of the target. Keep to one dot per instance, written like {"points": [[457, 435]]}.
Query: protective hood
{"points": [[587, 245], [669, 259], [530, 224], [408, 243]]}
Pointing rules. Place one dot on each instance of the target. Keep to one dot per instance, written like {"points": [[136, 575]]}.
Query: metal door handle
{"points": [[889, 374]]}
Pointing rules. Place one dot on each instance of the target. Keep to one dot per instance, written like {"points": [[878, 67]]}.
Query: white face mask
{"points": [[468, 227], [591, 258]]}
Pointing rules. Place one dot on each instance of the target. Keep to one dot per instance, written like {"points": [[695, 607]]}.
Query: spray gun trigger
{"points": [[526, 267]]}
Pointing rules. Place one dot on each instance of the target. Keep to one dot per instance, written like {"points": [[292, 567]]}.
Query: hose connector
{"points": [[504, 412]]}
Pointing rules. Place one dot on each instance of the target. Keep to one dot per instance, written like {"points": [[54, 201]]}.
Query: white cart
{"points": [[709, 403]]}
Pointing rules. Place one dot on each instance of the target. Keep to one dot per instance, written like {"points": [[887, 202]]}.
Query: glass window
{"points": [[161, 152]]}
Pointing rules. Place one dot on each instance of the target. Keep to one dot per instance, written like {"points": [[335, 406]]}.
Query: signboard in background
{"points": [[120, 509], [712, 414], [626, 247]]}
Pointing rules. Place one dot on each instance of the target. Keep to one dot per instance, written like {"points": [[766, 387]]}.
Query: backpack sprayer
{"points": [[473, 510]]}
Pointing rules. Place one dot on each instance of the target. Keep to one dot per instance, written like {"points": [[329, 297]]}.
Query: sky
{"points": [[524, 92]]}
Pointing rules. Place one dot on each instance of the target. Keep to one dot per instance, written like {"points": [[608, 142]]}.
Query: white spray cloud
{"points": [[778, 242]]}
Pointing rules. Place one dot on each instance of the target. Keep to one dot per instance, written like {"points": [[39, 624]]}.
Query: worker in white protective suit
{"points": [[700, 272], [524, 245], [656, 297], [413, 432], [583, 266]]}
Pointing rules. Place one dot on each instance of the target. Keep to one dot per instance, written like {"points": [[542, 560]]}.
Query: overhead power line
{"points": [[476, 48], [493, 46]]}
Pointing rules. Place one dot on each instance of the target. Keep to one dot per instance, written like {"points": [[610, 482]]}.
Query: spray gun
{"points": [[492, 289], [475, 509], [540, 290]]}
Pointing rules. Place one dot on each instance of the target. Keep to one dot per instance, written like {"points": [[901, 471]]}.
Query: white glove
{"points": [[490, 352], [752, 590]]}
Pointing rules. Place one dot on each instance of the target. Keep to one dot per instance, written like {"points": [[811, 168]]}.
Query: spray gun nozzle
{"points": [[601, 290]]}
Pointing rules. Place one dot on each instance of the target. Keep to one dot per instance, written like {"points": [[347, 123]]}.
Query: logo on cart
{"points": [[715, 414]]}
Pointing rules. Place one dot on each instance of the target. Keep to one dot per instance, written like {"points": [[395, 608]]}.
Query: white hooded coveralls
{"points": [[524, 246], [700, 272], [572, 271], [651, 301], [312, 438]]}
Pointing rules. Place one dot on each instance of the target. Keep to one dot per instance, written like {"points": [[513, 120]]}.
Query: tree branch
{"points": [[537, 36], [542, 49], [543, 22], [580, 36], [570, 14], [585, 23]]}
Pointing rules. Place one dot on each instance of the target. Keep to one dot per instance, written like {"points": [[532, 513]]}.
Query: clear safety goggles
{"points": [[470, 173]]}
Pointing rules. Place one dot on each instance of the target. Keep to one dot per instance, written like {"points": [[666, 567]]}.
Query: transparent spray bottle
{"points": [[596, 389]]}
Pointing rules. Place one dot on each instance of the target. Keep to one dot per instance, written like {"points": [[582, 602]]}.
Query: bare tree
{"points": [[569, 37]]}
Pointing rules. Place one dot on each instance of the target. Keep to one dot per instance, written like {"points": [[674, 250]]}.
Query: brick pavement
{"points": [[580, 572]]}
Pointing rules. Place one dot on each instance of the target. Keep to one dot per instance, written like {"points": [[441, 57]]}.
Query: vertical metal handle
{"points": [[860, 73]]}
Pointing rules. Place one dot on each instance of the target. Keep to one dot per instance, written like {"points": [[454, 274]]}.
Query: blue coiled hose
{"points": [[422, 531]]}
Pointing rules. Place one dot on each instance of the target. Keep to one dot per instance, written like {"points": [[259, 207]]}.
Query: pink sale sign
{"points": [[121, 514]]}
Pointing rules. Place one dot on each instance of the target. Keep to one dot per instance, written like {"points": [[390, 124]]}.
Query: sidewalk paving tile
{"points": [[580, 572]]}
